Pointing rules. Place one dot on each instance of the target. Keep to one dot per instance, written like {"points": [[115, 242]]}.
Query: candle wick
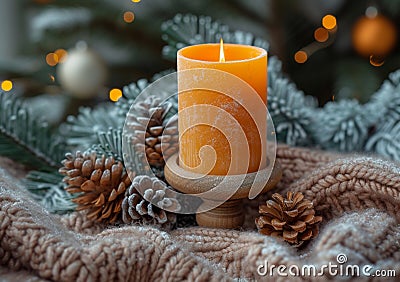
{"points": [[221, 51]]}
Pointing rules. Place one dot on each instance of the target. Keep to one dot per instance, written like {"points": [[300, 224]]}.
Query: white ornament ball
{"points": [[82, 74]]}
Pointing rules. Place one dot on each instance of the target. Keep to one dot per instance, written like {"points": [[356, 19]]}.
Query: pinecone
{"points": [[153, 134], [138, 208], [292, 218], [102, 182]]}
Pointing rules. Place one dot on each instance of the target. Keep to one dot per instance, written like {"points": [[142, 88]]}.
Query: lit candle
{"points": [[246, 63]]}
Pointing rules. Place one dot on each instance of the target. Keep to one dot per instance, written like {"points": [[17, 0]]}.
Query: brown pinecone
{"points": [[292, 218], [138, 208], [152, 132], [102, 182]]}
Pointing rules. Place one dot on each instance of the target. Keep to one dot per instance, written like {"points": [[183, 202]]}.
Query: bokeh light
{"points": [[52, 59], [329, 22], [61, 55], [376, 61], [129, 17], [374, 36], [115, 94], [6, 85], [300, 57], [321, 34], [135, 1], [371, 12]]}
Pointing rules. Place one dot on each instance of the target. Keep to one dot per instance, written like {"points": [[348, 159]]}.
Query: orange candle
{"points": [[222, 108]]}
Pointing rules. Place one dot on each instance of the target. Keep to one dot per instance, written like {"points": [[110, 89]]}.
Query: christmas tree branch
{"points": [[25, 139], [48, 189]]}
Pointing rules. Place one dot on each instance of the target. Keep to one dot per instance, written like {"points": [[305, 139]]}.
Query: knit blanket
{"points": [[358, 197]]}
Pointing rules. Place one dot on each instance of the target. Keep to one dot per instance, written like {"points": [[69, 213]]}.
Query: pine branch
{"points": [[81, 131], [343, 125], [129, 94], [184, 30], [55, 20], [386, 104], [48, 189], [291, 111], [26, 139], [109, 144], [133, 90]]}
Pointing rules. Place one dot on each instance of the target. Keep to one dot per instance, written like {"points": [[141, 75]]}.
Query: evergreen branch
{"points": [[386, 105], [81, 131], [48, 189], [129, 94], [132, 91], [185, 30], [343, 125], [291, 111], [109, 144], [57, 20], [26, 139]]}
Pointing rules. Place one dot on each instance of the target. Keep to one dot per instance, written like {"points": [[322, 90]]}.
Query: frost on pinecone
{"points": [[151, 208], [152, 136]]}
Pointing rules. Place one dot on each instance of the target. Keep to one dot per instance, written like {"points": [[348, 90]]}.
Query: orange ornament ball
{"points": [[374, 36]]}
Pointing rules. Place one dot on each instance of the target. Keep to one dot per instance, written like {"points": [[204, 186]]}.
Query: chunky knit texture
{"points": [[358, 197]]}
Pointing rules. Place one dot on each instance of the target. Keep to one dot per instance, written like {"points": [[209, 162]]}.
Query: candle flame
{"points": [[221, 51]]}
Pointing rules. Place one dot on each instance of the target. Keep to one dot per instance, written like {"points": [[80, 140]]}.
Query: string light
{"points": [[6, 85], [329, 22], [129, 17], [376, 61], [300, 57], [61, 55], [321, 34], [52, 59], [115, 94]]}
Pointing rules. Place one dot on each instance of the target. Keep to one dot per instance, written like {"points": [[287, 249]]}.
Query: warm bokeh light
{"points": [[52, 59], [321, 34], [300, 57], [329, 22], [61, 55], [6, 85], [374, 36], [115, 94], [135, 1], [52, 78], [376, 61], [129, 17]]}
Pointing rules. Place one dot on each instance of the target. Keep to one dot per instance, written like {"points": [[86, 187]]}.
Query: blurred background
{"points": [[70, 52]]}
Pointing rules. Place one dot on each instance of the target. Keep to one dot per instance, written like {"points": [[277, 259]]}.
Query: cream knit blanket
{"points": [[358, 197]]}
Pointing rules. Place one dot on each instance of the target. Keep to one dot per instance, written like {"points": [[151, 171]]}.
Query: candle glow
{"points": [[221, 51]]}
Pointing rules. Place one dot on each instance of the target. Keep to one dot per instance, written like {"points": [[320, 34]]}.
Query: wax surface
{"points": [[250, 65]]}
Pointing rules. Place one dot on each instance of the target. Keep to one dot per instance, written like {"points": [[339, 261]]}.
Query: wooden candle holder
{"points": [[230, 214]]}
